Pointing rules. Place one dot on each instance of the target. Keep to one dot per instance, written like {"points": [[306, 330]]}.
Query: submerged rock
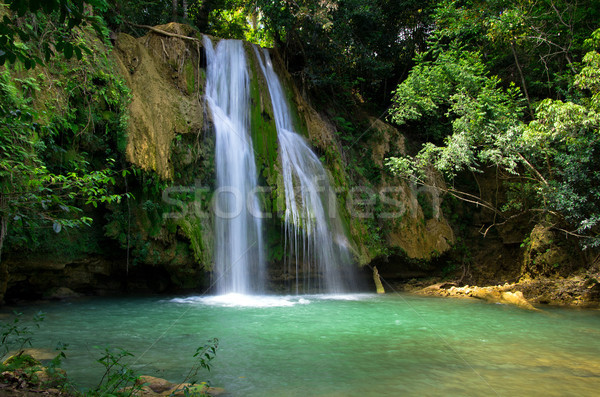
{"points": [[40, 354], [152, 386]]}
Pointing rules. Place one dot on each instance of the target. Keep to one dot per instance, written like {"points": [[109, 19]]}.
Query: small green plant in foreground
{"points": [[203, 356], [21, 367], [15, 336], [118, 378]]}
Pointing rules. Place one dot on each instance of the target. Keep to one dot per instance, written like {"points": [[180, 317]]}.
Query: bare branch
{"points": [[532, 168], [160, 31]]}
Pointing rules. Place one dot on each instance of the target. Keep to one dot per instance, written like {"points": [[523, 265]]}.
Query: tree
{"points": [[345, 46], [531, 43], [17, 35], [550, 164], [30, 195], [120, 13], [35, 191], [175, 9]]}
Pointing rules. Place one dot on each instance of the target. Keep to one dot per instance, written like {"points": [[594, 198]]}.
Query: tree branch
{"points": [[163, 32], [532, 168], [514, 52]]}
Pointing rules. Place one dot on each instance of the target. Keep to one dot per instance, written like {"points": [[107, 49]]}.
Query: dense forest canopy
{"points": [[507, 86], [512, 86]]}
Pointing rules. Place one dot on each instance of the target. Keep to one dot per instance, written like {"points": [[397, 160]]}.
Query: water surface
{"points": [[338, 345]]}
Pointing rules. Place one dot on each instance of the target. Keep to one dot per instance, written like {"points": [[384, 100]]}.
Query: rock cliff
{"points": [[163, 239]]}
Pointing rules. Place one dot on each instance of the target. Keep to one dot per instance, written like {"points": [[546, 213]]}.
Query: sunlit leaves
{"points": [[553, 159], [454, 83]]}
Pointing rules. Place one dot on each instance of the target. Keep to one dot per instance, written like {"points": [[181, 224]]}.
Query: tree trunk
{"points": [[377, 281], [185, 9], [202, 16], [3, 280], [174, 10]]}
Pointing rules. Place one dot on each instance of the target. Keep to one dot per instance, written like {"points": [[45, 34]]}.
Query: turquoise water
{"points": [[347, 345]]}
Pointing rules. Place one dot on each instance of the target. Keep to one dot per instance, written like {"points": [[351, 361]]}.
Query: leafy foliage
{"points": [[61, 128], [202, 360], [347, 46], [554, 157], [534, 44], [142, 12], [15, 336], [31, 194], [119, 379], [22, 38]]}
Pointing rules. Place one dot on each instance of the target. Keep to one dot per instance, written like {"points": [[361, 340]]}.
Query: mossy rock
{"points": [[548, 254], [20, 361]]}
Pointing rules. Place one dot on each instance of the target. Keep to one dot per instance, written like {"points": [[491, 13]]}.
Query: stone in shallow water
{"points": [[152, 386], [40, 354], [157, 385]]}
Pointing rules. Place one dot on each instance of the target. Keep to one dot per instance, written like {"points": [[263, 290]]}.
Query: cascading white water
{"points": [[314, 233], [239, 251]]}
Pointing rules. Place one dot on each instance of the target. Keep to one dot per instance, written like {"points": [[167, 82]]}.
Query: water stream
{"points": [[317, 242], [239, 251], [337, 345]]}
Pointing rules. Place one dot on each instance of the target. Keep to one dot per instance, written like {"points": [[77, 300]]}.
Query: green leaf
{"points": [[78, 53], [68, 50], [11, 57]]}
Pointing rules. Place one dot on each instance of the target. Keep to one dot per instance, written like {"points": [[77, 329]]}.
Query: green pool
{"points": [[344, 345]]}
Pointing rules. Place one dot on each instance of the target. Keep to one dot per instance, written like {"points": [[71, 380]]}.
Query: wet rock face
{"points": [[51, 277], [383, 212], [166, 76]]}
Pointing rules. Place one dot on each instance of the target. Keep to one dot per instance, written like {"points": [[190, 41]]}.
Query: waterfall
{"points": [[239, 251], [318, 246]]}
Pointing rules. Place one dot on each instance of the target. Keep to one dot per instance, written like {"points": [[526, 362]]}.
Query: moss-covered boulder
{"points": [[548, 254]]}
